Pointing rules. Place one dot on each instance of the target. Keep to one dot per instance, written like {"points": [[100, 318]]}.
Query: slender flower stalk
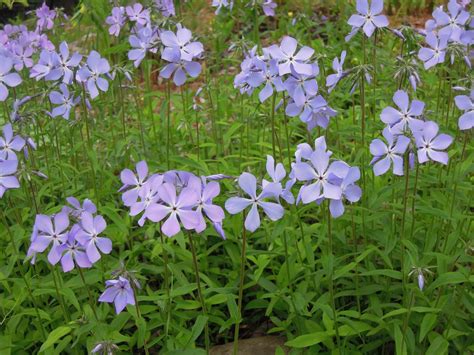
{"points": [[168, 123], [166, 279], [89, 142], [201, 298], [91, 300], [402, 226], [59, 296], [140, 122], [139, 314], [331, 280], [273, 123], [241, 285], [148, 75], [413, 200]]}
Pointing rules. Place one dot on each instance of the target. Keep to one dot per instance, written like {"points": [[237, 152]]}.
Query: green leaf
{"points": [[344, 270], [197, 328], [395, 313], [5, 345], [217, 299], [427, 324], [306, 340], [400, 342], [448, 278], [115, 217], [438, 346], [54, 337], [183, 290], [141, 325], [232, 306]]}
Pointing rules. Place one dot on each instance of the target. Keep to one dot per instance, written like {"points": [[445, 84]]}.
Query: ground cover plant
{"points": [[180, 175]]}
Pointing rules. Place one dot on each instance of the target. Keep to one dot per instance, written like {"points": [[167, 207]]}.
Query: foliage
{"points": [[326, 285]]}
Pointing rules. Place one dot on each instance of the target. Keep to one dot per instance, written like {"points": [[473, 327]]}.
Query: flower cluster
{"points": [[368, 18], [337, 66], [177, 49], [119, 292], [45, 17], [324, 179], [406, 125], [10, 144], [180, 51], [285, 69], [220, 4], [174, 198], [466, 104], [268, 199], [268, 6], [18, 45], [79, 245], [446, 28]]}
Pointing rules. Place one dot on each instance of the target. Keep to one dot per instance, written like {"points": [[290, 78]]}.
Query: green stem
{"points": [[149, 89], [91, 300], [166, 280], [407, 319], [122, 111], [287, 133], [374, 80], [201, 299], [331, 281], [140, 122], [59, 296], [356, 271], [255, 27], [185, 112], [272, 115], [139, 314], [402, 227], [413, 201], [290, 287], [241, 285], [168, 123], [89, 143], [198, 147]]}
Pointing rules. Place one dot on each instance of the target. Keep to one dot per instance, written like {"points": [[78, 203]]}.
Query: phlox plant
{"points": [[190, 176]]}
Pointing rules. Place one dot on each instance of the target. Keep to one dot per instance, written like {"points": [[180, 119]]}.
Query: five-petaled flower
{"points": [[248, 183], [368, 18], [51, 230], [466, 104], [289, 60], [88, 236], [7, 78], [404, 118], [90, 74], [119, 292], [431, 145], [437, 51], [386, 154], [175, 207]]}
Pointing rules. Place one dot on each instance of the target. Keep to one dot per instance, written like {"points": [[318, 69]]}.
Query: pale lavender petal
{"points": [[252, 222], [440, 157], [382, 166], [248, 183], [235, 205], [441, 142], [274, 211]]}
